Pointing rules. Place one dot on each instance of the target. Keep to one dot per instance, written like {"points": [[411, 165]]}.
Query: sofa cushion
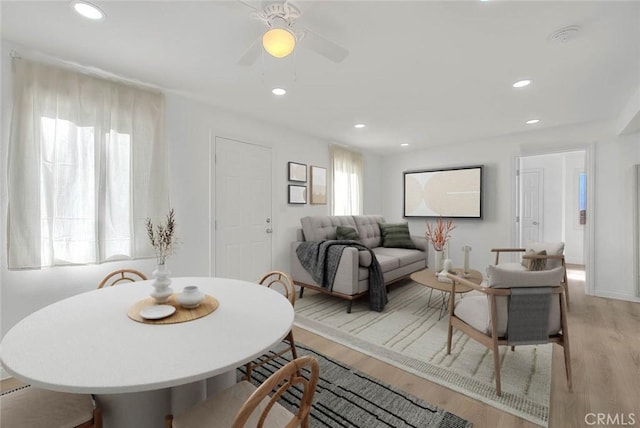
{"points": [[387, 262], [318, 228], [405, 256], [369, 230], [396, 235], [344, 232]]}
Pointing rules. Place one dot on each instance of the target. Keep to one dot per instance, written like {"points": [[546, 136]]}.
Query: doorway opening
{"points": [[552, 198]]}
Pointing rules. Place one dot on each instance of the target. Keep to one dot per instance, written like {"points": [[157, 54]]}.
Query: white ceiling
{"points": [[419, 72]]}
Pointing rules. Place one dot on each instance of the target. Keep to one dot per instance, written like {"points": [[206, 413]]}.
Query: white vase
{"points": [[161, 286], [438, 256], [191, 297]]}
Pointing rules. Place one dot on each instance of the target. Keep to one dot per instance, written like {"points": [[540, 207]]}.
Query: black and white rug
{"points": [[347, 398]]}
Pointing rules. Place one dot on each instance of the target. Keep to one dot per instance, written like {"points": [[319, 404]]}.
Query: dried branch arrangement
{"points": [[162, 237], [440, 233]]}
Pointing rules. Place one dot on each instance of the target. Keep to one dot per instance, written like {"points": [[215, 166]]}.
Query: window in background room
{"points": [[582, 198], [87, 166], [347, 177]]}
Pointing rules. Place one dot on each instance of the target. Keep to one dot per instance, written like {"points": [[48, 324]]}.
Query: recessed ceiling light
{"points": [[278, 91], [88, 10], [404, 144], [359, 125], [522, 83], [532, 121]]}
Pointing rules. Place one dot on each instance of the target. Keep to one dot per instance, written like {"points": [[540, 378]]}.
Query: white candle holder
{"points": [[466, 250]]}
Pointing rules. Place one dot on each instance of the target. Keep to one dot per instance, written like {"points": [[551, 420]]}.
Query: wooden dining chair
{"points": [[515, 308], [283, 282], [245, 405], [30, 407], [122, 275]]}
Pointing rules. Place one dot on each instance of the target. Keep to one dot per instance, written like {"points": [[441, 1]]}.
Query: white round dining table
{"points": [[140, 372]]}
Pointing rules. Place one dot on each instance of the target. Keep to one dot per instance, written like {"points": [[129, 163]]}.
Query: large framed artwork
{"points": [[297, 194], [297, 172], [318, 185], [448, 192]]}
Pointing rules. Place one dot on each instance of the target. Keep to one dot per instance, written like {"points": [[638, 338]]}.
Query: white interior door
{"points": [[243, 224], [531, 205]]}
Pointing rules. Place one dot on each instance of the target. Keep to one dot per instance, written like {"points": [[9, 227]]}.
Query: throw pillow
{"points": [[347, 233], [396, 235], [536, 264]]}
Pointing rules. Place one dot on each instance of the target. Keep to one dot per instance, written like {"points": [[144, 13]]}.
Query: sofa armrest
{"points": [[420, 242], [346, 280]]}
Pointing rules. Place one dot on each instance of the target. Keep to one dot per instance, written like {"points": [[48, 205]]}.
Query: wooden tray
{"points": [[181, 314]]}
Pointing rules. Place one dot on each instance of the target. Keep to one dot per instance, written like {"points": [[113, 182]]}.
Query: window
{"points": [[87, 165], [582, 198], [347, 177]]}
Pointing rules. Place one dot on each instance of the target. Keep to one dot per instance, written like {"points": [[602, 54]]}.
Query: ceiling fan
{"points": [[282, 35]]}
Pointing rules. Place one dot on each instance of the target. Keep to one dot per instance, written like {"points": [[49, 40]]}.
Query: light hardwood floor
{"points": [[605, 358], [604, 338]]}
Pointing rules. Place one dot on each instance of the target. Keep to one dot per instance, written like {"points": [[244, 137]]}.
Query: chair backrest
{"points": [[277, 279], [510, 279], [289, 376], [122, 275]]}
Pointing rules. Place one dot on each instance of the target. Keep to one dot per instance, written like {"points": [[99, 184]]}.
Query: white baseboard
{"points": [[617, 295], [3, 374]]}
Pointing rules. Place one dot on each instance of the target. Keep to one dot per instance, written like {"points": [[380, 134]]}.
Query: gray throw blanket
{"points": [[528, 322], [321, 259]]}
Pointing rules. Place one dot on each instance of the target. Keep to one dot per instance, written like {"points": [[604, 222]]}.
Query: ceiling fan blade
{"points": [[252, 54], [324, 47]]}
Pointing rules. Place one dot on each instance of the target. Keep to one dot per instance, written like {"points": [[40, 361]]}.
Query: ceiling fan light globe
{"points": [[278, 42]]}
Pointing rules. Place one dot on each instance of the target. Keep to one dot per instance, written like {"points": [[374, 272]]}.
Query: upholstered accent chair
{"points": [[30, 407], [515, 308], [537, 256], [244, 405], [122, 275]]}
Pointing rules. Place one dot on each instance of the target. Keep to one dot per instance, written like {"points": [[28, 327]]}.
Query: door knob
{"points": [[269, 230], [535, 223]]}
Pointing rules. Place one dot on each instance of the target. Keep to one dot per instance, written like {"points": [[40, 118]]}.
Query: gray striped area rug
{"points": [[410, 334], [347, 398]]}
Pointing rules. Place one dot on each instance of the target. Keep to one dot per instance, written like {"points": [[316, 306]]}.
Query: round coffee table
{"points": [[428, 278]]}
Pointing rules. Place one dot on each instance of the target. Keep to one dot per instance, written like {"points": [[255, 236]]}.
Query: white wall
{"points": [[189, 125], [611, 201], [614, 215]]}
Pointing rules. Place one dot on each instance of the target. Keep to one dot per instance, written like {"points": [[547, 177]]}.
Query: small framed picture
{"points": [[297, 194], [318, 185], [297, 172]]}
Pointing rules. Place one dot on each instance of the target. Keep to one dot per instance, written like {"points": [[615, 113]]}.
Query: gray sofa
{"points": [[352, 277]]}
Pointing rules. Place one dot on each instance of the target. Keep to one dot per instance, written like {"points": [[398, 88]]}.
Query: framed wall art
{"points": [[297, 194], [297, 172], [318, 185], [446, 192]]}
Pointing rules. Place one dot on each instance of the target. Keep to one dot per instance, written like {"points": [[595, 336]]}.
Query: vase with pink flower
{"points": [[439, 234]]}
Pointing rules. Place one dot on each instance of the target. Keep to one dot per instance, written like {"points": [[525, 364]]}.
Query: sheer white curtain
{"points": [[347, 177], [87, 165]]}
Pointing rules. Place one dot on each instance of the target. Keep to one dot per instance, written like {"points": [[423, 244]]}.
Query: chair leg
{"points": [[248, 369], [565, 341], [449, 337], [496, 366], [349, 306], [168, 421], [292, 343], [301, 291]]}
